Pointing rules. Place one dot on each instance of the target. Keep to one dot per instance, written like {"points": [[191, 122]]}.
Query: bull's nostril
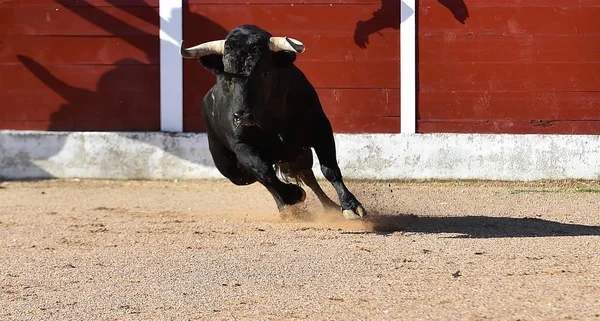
{"points": [[238, 116]]}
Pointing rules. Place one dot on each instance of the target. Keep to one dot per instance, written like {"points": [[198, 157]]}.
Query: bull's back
{"points": [[302, 94]]}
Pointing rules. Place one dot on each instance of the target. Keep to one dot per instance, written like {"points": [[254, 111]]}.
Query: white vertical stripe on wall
{"points": [[408, 63], [171, 72]]}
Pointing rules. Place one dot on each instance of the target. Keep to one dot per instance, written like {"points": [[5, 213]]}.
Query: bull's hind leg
{"points": [[308, 177], [301, 170], [325, 150]]}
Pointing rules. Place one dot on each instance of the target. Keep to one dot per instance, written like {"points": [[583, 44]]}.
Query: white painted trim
{"points": [[171, 71], [408, 62], [155, 155]]}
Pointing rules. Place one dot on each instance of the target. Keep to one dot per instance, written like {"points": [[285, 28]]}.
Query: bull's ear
{"points": [[284, 58], [213, 63]]}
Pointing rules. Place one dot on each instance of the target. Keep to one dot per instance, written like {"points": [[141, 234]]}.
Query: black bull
{"points": [[263, 117]]}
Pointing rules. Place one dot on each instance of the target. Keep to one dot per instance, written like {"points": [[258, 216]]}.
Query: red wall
{"points": [[77, 65], [485, 66], [358, 83], [514, 66]]}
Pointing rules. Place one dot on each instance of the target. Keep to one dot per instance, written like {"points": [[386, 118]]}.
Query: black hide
{"points": [[263, 116]]}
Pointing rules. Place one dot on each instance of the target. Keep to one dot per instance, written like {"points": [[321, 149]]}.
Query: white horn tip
{"points": [[182, 49], [296, 44]]}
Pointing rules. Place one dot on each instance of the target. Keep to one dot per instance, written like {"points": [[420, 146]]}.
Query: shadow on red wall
{"points": [[196, 79], [458, 9], [109, 107], [390, 15], [128, 98], [122, 92]]}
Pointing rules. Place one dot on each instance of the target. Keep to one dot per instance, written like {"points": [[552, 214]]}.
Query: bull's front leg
{"points": [[284, 194]]}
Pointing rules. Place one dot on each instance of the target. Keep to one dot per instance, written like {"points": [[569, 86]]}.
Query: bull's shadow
{"points": [[477, 226]]}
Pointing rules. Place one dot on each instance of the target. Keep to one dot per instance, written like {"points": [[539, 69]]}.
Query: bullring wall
{"points": [[94, 65], [88, 77], [498, 66], [77, 65], [509, 66]]}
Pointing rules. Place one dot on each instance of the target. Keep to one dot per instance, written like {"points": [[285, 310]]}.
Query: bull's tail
{"points": [[285, 174]]}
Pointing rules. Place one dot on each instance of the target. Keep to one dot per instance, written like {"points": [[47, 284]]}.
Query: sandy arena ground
{"points": [[187, 250]]}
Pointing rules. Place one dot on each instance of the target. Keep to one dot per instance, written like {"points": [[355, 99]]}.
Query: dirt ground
{"points": [[168, 250]]}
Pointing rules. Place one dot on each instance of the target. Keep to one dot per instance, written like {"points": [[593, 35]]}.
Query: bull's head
{"points": [[247, 65]]}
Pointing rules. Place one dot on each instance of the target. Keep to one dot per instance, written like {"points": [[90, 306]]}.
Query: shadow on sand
{"points": [[473, 226]]}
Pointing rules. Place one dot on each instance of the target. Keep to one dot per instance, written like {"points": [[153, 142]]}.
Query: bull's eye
{"points": [[265, 74]]}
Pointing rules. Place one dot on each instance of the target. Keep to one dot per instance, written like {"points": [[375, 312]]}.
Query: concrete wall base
{"points": [[158, 155]]}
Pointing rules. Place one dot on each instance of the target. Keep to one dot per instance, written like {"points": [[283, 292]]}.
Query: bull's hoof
{"points": [[357, 213], [297, 195]]}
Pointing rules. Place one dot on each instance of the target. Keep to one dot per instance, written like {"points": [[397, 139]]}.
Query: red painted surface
{"points": [[488, 66], [514, 66], [52, 50], [358, 82], [72, 65], [93, 65], [510, 126], [362, 110], [510, 105]]}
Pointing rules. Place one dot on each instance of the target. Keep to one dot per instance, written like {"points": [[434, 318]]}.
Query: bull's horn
{"points": [[207, 48], [285, 43]]}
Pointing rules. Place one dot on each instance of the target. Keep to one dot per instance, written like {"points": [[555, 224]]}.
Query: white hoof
{"points": [[358, 213]]}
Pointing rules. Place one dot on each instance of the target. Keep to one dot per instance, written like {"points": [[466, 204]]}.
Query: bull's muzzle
{"points": [[241, 119]]}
